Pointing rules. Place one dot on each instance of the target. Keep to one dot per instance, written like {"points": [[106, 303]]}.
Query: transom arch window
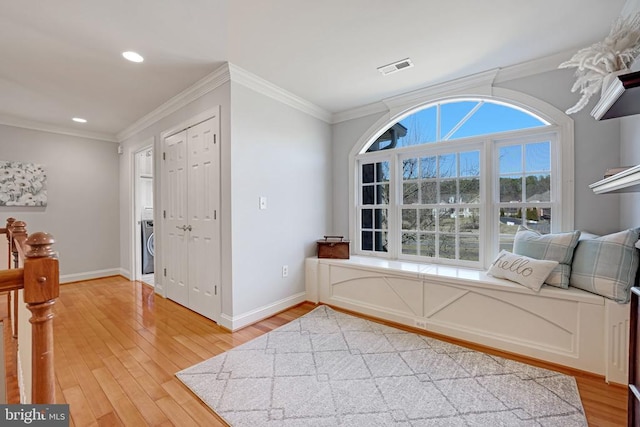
{"points": [[451, 181]]}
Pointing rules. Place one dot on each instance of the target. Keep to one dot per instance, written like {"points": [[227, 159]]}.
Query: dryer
{"points": [[148, 246]]}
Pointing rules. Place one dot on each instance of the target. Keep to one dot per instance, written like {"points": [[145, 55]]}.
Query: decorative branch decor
{"points": [[610, 57]]}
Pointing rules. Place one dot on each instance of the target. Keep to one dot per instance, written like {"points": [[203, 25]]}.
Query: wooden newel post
{"points": [[41, 289]]}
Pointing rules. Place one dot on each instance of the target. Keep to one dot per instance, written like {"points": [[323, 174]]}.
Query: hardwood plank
{"points": [[109, 420], [137, 394], [79, 406], [175, 413], [124, 408]]}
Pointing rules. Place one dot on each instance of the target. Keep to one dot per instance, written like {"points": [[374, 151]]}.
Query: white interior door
{"points": [[175, 212], [191, 246], [204, 232]]}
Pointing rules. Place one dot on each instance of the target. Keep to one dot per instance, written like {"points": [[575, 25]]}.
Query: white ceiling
{"points": [[61, 59]]}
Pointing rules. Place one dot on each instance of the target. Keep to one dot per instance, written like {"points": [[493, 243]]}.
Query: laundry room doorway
{"points": [[144, 238]]}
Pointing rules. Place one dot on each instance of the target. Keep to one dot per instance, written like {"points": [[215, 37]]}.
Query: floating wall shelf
{"points": [[621, 98], [627, 181]]}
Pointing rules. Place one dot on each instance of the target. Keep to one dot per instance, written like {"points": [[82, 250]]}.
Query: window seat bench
{"points": [[570, 327]]}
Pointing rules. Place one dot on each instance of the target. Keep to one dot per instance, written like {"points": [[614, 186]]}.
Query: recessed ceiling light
{"points": [[395, 66], [133, 56], [79, 120]]}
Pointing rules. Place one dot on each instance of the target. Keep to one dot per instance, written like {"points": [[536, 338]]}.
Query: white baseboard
{"points": [[88, 275], [236, 322]]}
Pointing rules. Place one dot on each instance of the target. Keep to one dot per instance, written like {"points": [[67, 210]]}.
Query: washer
{"points": [[148, 248]]}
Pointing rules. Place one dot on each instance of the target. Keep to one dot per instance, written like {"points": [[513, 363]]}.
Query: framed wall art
{"points": [[22, 184]]}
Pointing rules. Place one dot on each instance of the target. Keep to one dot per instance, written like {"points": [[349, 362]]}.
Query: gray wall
{"points": [[629, 156], [268, 149], [284, 155], [345, 136], [219, 96], [597, 148], [82, 210]]}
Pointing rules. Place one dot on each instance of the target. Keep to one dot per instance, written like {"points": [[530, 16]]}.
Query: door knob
{"points": [[188, 228], [183, 228]]}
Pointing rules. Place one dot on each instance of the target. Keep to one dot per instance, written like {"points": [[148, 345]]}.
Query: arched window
{"points": [[452, 181]]}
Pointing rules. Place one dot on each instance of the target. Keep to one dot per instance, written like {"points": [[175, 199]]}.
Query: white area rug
{"points": [[331, 369]]}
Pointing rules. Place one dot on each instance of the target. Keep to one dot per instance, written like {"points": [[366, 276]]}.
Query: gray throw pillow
{"points": [[551, 247]]}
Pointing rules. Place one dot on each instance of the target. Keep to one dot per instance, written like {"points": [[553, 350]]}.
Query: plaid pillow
{"points": [[607, 265], [551, 247]]}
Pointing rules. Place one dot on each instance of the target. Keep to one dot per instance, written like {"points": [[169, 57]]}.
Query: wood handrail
{"points": [[35, 269], [11, 280]]}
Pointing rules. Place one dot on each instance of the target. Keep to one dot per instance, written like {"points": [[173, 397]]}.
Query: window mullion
{"points": [[395, 217]]}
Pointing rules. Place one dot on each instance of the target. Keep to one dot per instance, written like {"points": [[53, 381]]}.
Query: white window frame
{"points": [[559, 132]]}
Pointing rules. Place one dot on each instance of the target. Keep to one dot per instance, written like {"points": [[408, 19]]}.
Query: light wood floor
{"points": [[118, 346]]}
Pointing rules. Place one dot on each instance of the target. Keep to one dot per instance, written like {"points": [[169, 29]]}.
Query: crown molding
{"points": [[396, 103], [203, 86], [473, 82], [356, 113], [45, 127], [491, 77], [533, 67], [264, 87]]}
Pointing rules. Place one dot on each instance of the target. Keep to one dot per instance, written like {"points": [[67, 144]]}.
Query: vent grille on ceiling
{"points": [[396, 66]]}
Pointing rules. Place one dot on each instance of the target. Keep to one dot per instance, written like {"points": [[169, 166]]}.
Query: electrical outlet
{"points": [[421, 324], [285, 270]]}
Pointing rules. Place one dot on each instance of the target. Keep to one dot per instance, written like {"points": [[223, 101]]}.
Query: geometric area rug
{"points": [[329, 368]]}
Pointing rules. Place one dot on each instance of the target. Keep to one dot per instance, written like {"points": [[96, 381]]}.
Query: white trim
{"points": [[478, 84], [236, 322], [191, 121], [611, 94], [531, 68], [89, 275], [563, 124], [135, 254], [251, 81], [524, 69], [125, 273], [618, 182], [356, 113], [44, 127], [225, 73], [197, 90]]}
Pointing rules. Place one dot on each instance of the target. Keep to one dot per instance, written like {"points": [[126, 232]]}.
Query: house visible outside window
{"points": [[451, 182]]}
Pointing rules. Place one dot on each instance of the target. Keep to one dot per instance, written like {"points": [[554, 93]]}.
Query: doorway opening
{"points": [[144, 238]]}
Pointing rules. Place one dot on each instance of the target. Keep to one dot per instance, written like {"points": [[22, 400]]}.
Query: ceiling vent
{"points": [[396, 66]]}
